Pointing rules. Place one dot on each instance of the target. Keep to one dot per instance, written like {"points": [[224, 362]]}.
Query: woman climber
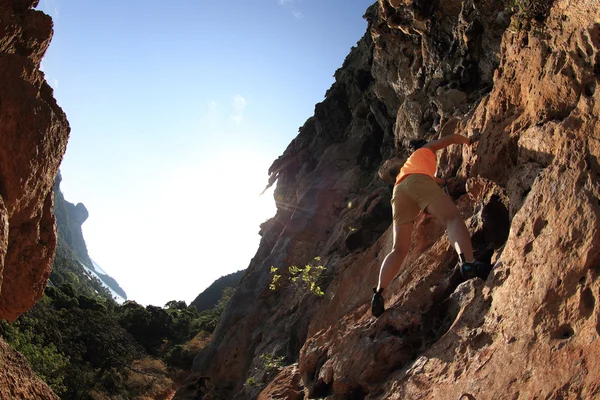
{"points": [[416, 189]]}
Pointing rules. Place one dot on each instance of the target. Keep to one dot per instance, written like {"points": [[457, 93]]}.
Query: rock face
{"points": [[33, 138], [69, 218], [529, 192], [17, 380]]}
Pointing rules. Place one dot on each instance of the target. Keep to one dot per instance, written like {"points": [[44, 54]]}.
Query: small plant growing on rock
{"points": [[276, 277], [525, 10], [251, 382], [307, 277], [272, 362], [271, 365]]}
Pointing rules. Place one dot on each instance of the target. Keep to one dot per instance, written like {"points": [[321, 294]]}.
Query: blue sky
{"points": [[177, 110]]}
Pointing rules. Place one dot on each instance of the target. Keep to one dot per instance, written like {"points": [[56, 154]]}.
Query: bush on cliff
{"points": [[208, 319], [309, 278], [48, 363], [530, 9]]}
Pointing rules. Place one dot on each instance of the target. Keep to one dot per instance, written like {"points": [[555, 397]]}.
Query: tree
{"points": [[176, 305]]}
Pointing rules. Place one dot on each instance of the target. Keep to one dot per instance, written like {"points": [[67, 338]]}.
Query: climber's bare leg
{"points": [[445, 211], [393, 261]]}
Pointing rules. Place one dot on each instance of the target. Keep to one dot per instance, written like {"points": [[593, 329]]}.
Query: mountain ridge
{"points": [[69, 220], [211, 295]]}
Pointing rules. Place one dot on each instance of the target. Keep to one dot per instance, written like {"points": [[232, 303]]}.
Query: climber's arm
{"points": [[444, 142]]}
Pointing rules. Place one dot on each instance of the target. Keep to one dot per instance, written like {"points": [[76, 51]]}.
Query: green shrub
{"points": [[272, 362], [308, 278], [45, 360], [208, 319], [251, 382], [526, 10], [176, 305], [182, 355]]}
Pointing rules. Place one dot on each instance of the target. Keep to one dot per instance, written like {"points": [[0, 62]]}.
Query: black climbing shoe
{"points": [[474, 269], [377, 307]]}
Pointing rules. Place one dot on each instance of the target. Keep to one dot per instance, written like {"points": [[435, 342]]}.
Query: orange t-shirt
{"points": [[422, 161]]}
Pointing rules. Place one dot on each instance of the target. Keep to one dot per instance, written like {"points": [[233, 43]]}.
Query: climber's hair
{"points": [[390, 169]]}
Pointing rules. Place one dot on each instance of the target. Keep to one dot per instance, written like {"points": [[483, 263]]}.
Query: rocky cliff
{"points": [[523, 75], [69, 220], [33, 138], [17, 380]]}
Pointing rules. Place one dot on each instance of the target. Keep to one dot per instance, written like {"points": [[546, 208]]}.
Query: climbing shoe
{"points": [[474, 269], [377, 307]]}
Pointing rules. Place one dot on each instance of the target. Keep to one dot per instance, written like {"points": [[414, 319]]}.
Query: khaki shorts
{"points": [[413, 195]]}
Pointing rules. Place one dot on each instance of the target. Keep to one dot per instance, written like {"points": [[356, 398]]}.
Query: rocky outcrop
{"points": [[33, 137], [17, 380], [529, 192], [69, 220]]}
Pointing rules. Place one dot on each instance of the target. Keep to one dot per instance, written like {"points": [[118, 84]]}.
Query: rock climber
{"points": [[416, 188]]}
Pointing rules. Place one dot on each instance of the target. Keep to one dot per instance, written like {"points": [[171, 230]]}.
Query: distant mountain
{"points": [[73, 263], [210, 297]]}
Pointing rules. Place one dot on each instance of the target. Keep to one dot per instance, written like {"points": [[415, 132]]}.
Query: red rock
{"points": [[287, 385], [33, 137], [529, 192], [17, 380]]}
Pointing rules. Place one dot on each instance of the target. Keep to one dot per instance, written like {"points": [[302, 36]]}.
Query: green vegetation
{"points": [[272, 362], [67, 270], [251, 382], [308, 278], [275, 280], [47, 361], [89, 347], [271, 365], [208, 319], [525, 10], [82, 334]]}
